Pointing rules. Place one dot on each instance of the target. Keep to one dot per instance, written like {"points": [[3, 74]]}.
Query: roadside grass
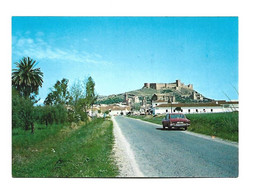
{"points": [[222, 125], [62, 151], [149, 118]]}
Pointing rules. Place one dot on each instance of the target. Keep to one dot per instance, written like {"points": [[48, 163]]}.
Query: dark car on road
{"points": [[175, 120]]}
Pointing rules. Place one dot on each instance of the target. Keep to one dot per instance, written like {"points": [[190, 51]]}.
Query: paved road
{"points": [[161, 153]]}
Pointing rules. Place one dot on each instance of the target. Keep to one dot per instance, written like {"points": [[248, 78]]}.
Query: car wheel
{"points": [[185, 128], [164, 127]]}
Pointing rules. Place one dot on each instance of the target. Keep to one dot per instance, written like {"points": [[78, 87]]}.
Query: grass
{"points": [[149, 118], [222, 125], [61, 151]]}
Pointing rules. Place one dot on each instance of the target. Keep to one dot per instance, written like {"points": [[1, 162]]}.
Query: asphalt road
{"points": [[174, 153]]}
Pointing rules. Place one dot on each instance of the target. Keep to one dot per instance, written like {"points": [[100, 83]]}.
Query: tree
{"points": [[178, 109], [49, 100], [59, 94], [90, 92], [26, 78], [22, 112], [16, 120], [78, 101], [136, 106], [77, 92]]}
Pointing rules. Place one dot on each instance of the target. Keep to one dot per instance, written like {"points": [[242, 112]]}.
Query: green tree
{"points": [[22, 112], [90, 92], [136, 106], [80, 110], [178, 109], [78, 101], [77, 92], [59, 94], [26, 78], [16, 120], [55, 109]]}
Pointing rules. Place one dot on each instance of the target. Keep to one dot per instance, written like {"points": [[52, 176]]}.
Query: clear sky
{"points": [[122, 53]]}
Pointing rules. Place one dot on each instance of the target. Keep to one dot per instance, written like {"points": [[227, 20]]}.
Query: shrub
{"points": [[50, 114], [60, 114], [22, 112]]}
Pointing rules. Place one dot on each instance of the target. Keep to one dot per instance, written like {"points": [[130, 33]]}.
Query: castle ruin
{"points": [[176, 85], [131, 100]]}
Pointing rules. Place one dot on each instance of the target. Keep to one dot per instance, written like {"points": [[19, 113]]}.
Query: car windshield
{"points": [[177, 116]]}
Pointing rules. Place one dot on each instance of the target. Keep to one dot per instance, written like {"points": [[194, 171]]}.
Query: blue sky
{"points": [[122, 53]]}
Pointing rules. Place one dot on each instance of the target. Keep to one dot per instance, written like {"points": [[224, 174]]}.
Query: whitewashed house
{"points": [[158, 102], [193, 108], [116, 112], [116, 109]]}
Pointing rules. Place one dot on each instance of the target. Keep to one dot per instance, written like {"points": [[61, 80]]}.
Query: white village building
{"points": [[114, 110], [192, 108]]}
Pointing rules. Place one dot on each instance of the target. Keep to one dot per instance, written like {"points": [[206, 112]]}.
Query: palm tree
{"points": [[27, 79]]}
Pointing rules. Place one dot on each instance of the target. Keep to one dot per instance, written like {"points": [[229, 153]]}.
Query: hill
{"points": [[183, 95]]}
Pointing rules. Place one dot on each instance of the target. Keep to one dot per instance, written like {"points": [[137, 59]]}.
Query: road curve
{"points": [[171, 153]]}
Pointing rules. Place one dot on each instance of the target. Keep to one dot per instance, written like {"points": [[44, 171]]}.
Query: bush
{"points": [[60, 114], [22, 112], [16, 121], [51, 114]]}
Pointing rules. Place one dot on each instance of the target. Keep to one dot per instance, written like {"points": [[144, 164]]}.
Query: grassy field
{"points": [[59, 151], [223, 125]]}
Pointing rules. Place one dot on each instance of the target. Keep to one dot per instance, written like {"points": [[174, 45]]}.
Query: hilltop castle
{"points": [[176, 85]]}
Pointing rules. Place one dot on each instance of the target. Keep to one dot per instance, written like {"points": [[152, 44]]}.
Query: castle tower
{"points": [[125, 97], [146, 85], [190, 86], [178, 83]]}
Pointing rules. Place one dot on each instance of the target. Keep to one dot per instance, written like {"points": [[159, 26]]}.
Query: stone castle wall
{"points": [[177, 85]]}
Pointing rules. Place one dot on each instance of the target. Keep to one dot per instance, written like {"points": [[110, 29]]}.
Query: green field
{"points": [[222, 125], [62, 151]]}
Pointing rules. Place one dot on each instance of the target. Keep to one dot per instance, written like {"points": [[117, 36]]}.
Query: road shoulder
{"points": [[124, 155]]}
